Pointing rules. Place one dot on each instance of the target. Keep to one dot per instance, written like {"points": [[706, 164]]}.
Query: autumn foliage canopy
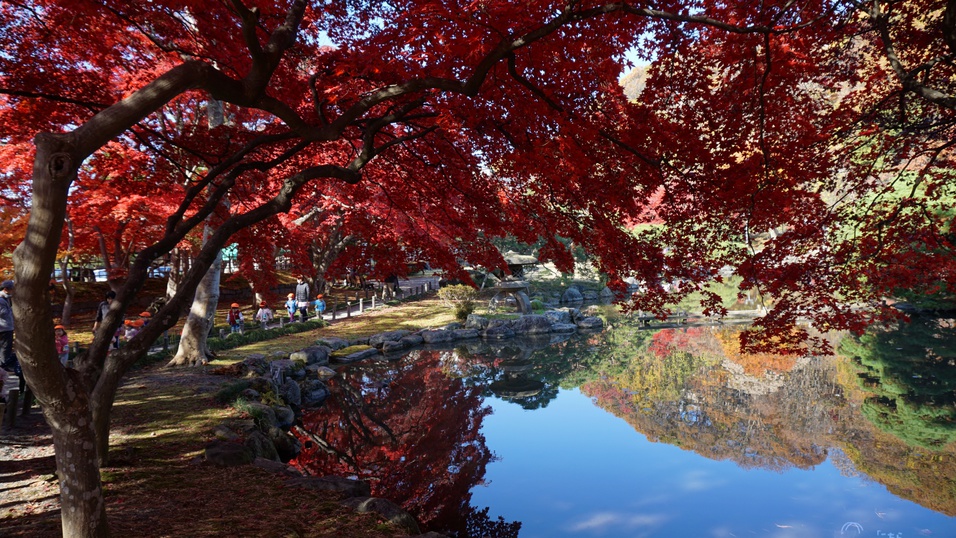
{"points": [[804, 146]]}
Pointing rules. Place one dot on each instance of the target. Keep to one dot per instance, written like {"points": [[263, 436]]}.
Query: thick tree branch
{"points": [[880, 19]]}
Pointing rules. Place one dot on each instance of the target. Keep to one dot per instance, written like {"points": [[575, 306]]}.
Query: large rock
{"points": [[285, 416], [592, 322], [572, 295], [333, 342], [564, 328], [413, 340], [287, 446], [261, 384], [243, 426], [437, 337], [561, 315], [499, 330], [263, 414], [225, 433], [276, 467], [314, 393], [261, 446], [465, 334], [390, 511], [474, 321], [227, 454], [255, 365], [531, 324], [291, 393], [311, 355], [315, 371], [377, 340], [391, 346], [346, 486], [250, 394], [282, 369], [357, 356]]}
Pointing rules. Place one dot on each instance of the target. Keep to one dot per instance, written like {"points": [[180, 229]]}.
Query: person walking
{"points": [[319, 305], [264, 314], [234, 318], [103, 309], [62, 344], [8, 361], [291, 306], [302, 295]]}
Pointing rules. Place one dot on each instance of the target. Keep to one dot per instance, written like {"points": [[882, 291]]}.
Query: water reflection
{"points": [[413, 426], [414, 434], [911, 373]]}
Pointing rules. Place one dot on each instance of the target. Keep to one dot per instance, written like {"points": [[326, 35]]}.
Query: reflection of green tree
{"points": [[554, 365], [911, 376], [672, 385]]}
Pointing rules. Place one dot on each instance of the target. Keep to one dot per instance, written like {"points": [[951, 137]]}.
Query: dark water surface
{"points": [[633, 432]]}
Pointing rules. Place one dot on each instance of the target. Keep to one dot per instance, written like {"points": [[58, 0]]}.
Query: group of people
{"points": [[129, 329], [299, 302], [8, 358]]}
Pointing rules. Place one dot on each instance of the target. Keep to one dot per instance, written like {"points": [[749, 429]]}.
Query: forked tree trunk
{"points": [[61, 393], [193, 344]]}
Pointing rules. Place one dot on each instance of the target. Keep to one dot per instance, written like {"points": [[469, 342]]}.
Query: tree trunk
{"points": [[193, 345], [60, 392], [83, 509]]}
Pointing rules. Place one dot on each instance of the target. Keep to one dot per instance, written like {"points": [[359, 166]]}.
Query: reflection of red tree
{"points": [[694, 340], [409, 430]]}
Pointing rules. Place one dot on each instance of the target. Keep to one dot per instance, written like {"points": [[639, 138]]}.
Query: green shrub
{"points": [[258, 335], [461, 297]]}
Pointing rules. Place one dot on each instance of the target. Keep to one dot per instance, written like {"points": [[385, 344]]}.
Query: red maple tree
{"points": [[803, 144]]}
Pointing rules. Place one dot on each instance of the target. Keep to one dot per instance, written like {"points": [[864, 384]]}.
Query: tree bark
{"points": [[61, 393], [193, 344], [74, 442]]}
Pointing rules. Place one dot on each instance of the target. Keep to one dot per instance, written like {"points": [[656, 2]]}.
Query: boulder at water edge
{"points": [[390, 511]]}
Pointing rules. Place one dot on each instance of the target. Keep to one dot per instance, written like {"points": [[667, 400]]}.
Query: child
{"points": [[264, 315], [319, 305], [62, 344], [234, 318], [133, 328], [145, 316], [291, 306]]}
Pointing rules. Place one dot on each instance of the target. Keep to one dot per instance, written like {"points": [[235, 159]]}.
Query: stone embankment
{"points": [[274, 391]]}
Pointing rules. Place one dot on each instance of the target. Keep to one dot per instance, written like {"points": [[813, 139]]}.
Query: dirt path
{"points": [[158, 484]]}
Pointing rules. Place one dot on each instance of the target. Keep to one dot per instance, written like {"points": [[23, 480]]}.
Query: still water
{"points": [[632, 432]]}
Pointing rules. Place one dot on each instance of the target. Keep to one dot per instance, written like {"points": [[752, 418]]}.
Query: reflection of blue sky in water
{"points": [[573, 469]]}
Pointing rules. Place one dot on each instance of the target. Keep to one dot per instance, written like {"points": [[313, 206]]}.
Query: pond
{"points": [[673, 432]]}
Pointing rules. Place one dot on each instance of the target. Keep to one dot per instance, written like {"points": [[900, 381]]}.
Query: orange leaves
{"points": [[755, 364]]}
